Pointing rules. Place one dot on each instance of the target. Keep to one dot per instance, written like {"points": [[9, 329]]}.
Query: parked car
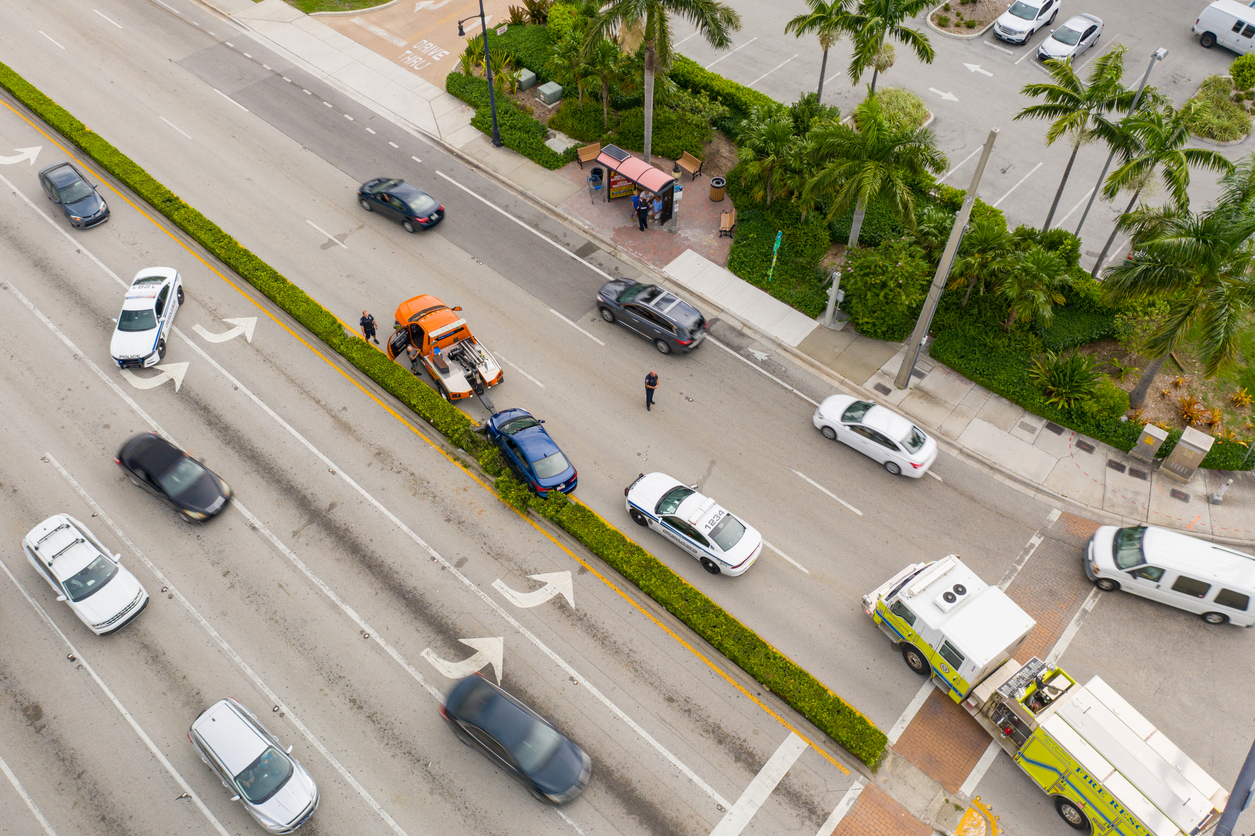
{"points": [[695, 523], [172, 476], [253, 765], [530, 452], [658, 315], [80, 570], [1072, 38], [409, 205], [877, 433], [517, 739], [147, 318], [66, 186], [1023, 18]]}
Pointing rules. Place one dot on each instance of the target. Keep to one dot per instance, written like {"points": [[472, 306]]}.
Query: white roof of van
{"points": [[1198, 558], [1233, 7]]}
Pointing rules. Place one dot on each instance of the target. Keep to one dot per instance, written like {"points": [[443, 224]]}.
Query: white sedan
{"points": [[695, 523], [877, 433], [147, 318], [1072, 38]]}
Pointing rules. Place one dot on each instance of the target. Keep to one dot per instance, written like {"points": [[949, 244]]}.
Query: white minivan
{"points": [[1229, 23], [1184, 572]]}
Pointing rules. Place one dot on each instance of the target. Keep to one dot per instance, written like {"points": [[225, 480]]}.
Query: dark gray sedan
{"points": [[658, 315], [396, 199], [69, 189]]}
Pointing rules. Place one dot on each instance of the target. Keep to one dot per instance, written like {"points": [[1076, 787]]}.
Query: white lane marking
{"points": [[555, 583], [1029, 548], [735, 820], [982, 766], [171, 124], [993, 45], [1064, 219], [488, 651], [228, 43], [912, 709], [369, 130], [106, 17], [169, 371], [1069, 632], [415, 159], [721, 57], [520, 371], [762, 371], [576, 327], [307, 92], [230, 651], [769, 72], [49, 37], [350, 118], [567, 819], [265, 66], [935, 476], [325, 232], [843, 807], [394, 145], [825, 490], [176, 11], [243, 325], [960, 165], [117, 704], [228, 98], [534, 231], [1017, 185], [246, 55], [326, 104], [30, 803], [786, 557], [285, 78]]}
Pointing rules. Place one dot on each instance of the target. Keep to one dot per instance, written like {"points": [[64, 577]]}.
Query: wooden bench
{"points": [[589, 153], [727, 222], [690, 164]]}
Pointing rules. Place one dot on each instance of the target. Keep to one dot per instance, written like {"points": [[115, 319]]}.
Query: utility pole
{"points": [[925, 320], [1239, 797]]}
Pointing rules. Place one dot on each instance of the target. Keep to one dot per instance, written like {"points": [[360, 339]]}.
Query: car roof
{"points": [[232, 736], [535, 443], [1079, 22], [429, 309], [62, 546], [495, 711], [888, 422], [62, 173], [151, 452]]}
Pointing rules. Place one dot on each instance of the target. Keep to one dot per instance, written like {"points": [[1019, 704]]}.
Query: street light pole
{"points": [[492, 99], [1239, 796], [1157, 55]]}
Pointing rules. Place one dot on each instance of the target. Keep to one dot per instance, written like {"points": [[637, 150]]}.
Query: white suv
{"points": [[78, 567]]}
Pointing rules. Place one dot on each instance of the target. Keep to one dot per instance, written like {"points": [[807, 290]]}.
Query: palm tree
{"points": [[646, 25], [1079, 110], [985, 254], [768, 148], [607, 65], [879, 161], [876, 21], [568, 66], [1154, 155], [1032, 286], [827, 20]]}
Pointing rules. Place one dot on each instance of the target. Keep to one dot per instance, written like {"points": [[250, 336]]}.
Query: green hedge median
{"points": [[776, 672]]}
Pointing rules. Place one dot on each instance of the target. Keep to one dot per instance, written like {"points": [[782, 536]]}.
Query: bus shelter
{"points": [[626, 173]]}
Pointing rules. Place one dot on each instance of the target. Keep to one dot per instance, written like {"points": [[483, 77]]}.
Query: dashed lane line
{"points": [[825, 490], [30, 802]]}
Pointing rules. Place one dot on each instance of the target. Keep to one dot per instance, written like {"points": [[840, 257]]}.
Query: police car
{"points": [[147, 317], [695, 523]]}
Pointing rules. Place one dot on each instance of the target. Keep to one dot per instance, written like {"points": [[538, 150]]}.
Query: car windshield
{"points": [[1126, 548], [383, 186], [643, 293], [1067, 36], [180, 477], [551, 465], [854, 412], [144, 320], [1023, 10], [85, 582], [75, 192], [671, 499], [516, 424], [421, 204], [263, 777], [536, 747], [147, 280], [727, 532], [914, 440]]}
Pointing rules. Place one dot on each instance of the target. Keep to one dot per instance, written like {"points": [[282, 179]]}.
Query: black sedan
{"points": [[68, 188], [398, 200], [517, 739], [658, 315], [177, 479], [531, 453]]}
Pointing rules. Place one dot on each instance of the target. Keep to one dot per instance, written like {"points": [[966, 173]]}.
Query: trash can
{"points": [[718, 186]]}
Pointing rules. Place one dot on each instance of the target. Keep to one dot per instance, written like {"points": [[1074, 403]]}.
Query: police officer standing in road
{"points": [[651, 383]]}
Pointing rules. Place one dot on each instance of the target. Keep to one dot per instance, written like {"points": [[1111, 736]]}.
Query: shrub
{"points": [[1242, 71], [1107, 401], [952, 199], [674, 133], [738, 98], [582, 123], [1216, 117], [902, 107], [879, 225], [943, 20], [885, 288], [519, 130], [531, 44], [807, 111], [1066, 380]]}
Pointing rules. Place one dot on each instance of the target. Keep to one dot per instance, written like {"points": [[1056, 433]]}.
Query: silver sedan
{"points": [[1072, 38]]}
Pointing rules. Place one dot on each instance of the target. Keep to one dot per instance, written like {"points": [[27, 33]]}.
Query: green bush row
{"points": [[738, 98], [530, 43], [742, 646], [519, 130], [674, 132]]}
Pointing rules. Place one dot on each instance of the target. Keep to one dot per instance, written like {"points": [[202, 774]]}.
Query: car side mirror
{"points": [[540, 420], [60, 597], [235, 798], [457, 308], [118, 559], [693, 487], [289, 750]]}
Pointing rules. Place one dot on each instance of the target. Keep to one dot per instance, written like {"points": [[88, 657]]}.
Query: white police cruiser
{"points": [[695, 523], [147, 317]]}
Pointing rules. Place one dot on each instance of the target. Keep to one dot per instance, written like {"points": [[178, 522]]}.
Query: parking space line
{"points": [[993, 45], [708, 66], [769, 72], [1064, 219], [830, 493], [1017, 185], [843, 807], [1026, 54], [786, 557], [960, 165], [682, 40], [735, 820], [30, 803], [576, 327]]}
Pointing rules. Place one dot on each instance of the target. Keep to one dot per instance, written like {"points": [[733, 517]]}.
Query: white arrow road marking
{"points": [[830, 493], [760, 356], [243, 325], [555, 583], [949, 97], [488, 651], [169, 371], [26, 155], [975, 68]]}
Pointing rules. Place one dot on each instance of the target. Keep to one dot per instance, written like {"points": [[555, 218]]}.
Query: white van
{"points": [[1184, 572], [1228, 23]]}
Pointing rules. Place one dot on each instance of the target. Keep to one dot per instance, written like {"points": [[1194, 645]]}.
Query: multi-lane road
{"points": [[352, 529]]}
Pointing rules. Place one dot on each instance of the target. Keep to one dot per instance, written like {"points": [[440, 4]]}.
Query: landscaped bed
{"points": [[966, 17]]}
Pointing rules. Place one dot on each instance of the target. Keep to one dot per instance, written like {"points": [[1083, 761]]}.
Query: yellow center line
{"points": [[440, 449]]}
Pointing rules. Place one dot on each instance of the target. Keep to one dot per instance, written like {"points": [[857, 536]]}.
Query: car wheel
{"points": [[663, 346], [408, 226], [710, 566], [607, 314], [1215, 618], [179, 294], [829, 433], [161, 349], [443, 392], [893, 468], [366, 205], [915, 660], [1106, 584], [1051, 22], [638, 517], [1072, 814], [1207, 40]]}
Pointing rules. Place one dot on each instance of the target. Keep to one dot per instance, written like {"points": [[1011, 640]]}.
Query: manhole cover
{"points": [[1175, 494], [1118, 467], [1086, 446]]}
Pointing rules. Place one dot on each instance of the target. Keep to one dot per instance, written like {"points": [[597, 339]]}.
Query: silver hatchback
{"points": [[273, 787]]}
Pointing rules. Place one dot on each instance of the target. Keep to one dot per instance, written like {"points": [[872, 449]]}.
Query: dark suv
{"points": [[658, 315]]}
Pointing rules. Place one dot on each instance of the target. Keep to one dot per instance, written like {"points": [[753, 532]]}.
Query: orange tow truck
{"points": [[458, 364]]}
